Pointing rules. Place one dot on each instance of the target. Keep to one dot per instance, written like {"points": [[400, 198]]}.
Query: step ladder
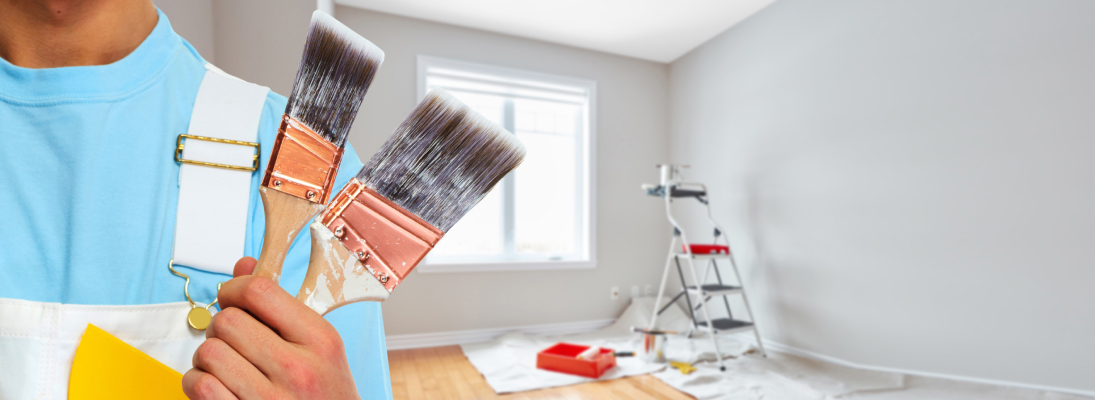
{"points": [[701, 290]]}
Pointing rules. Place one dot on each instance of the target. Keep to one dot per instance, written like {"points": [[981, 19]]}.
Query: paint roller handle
{"points": [[589, 353]]}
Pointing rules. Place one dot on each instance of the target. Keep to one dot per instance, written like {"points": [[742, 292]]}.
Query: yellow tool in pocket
{"points": [[107, 368]]}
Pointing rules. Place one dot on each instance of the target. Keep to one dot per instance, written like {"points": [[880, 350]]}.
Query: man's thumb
{"points": [[245, 266]]}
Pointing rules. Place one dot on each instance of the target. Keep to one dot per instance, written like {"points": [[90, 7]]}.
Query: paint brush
{"points": [[335, 72], [438, 164], [652, 332]]}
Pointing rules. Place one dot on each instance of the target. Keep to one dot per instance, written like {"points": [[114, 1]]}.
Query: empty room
{"points": [[569, 199]]}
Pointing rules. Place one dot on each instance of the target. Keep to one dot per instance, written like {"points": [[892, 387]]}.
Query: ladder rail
{"points": [[748, 308], [726, 301], [687, 297], [661, 289]]}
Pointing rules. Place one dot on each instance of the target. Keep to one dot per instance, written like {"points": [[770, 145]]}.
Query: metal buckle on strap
{"points": [[179, 148], [199, 317]]}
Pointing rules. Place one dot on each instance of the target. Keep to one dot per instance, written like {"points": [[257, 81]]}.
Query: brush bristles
{"points": [[335, 72], [442, 160]]}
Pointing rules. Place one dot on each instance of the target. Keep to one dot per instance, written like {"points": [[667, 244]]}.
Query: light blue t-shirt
{"points": [[89, 185]]}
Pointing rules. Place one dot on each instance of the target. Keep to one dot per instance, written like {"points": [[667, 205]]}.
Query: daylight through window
{"points": [[540, 213]]}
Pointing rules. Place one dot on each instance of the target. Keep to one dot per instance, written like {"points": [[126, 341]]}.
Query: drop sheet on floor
{"points": [[509, 363]]}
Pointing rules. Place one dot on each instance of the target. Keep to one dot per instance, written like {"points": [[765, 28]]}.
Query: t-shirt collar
{"points": [[97, 82]]}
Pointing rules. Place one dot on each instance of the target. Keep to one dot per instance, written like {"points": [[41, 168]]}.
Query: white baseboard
{"points": [[771, 345], [418, 340]]}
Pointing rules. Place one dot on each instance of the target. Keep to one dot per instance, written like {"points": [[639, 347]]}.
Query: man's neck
{"points": [[63, 33]]}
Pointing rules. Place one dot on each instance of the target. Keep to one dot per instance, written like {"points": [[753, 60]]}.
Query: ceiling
{"points": [[656, 30]]}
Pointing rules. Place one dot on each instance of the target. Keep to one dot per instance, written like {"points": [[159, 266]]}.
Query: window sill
{"points": [[505, 266]]}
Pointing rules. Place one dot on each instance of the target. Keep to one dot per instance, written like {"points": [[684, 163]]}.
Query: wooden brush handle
{"points": [[335, 277], [285, 216]]}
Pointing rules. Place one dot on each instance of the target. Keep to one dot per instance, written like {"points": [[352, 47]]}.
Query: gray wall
{"points": [[909, 183], [632, 120], [259, 41], [193, 20]]}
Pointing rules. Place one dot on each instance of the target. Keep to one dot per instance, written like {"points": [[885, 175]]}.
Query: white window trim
{"points": [[591, 208]]}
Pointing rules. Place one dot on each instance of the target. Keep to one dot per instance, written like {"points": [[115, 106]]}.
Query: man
{"points": [[93, 95]]}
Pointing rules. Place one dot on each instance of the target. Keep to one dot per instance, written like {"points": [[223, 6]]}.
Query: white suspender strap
{"points": [[216, 170]]}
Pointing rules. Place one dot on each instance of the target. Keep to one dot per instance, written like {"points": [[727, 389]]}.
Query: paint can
{"points": [[653, 348], [670, 172], [667, 173]]}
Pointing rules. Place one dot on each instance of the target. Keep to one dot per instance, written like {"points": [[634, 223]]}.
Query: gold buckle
{"points": [[179, 148]]}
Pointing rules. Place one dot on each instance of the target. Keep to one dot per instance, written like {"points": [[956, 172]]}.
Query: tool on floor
{"points": [[437, 165], [565, 358], [684, 367], [335, 72], [699, 291]]}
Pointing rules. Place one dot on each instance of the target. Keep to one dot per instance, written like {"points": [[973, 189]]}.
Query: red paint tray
{"points": [[561, 358]]}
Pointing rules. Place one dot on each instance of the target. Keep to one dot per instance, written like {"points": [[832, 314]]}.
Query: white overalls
{"points": [[38, 340]]}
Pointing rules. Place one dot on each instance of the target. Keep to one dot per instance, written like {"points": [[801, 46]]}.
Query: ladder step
{"points": [[659, 191], [726, 325], [702, 256], [716, 290]]}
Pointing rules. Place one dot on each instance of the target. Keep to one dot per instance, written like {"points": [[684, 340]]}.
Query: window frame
{"points": [[424, 62]]}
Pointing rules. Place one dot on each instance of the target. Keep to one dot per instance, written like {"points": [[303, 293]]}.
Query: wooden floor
{"points": [[444, 373]]}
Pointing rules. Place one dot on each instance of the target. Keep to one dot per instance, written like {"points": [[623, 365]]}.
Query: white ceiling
{"points": [[656, 30]]}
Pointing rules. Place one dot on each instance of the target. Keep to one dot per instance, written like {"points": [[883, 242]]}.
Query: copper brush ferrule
{"points": [[387, 239], [302, 163]]}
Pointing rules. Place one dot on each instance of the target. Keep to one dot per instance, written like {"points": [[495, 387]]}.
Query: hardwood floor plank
{"points": [[445, 373], [426, 378], [398, 371], [656, 388], [472, 376], [435, 362], [624, 389], [452, 363]]}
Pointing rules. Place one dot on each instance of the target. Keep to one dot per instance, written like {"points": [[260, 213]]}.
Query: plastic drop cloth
{"points": [[509, 363]]}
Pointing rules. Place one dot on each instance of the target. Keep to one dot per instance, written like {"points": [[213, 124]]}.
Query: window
{"points": [[539, 216]]}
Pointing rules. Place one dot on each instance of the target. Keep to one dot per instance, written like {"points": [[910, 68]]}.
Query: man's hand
{"points": [[264, 344]]}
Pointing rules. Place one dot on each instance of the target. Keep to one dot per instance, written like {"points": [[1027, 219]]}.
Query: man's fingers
{"points": [[230, 368], [245, 266], [250, 338], [273, 306], [201, 385]]}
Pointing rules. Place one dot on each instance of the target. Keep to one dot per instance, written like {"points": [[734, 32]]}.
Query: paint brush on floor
{"points": [[438, 164], [335, 72]]}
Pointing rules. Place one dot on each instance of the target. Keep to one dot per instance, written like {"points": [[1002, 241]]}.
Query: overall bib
{"points": [[38, 340]]}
